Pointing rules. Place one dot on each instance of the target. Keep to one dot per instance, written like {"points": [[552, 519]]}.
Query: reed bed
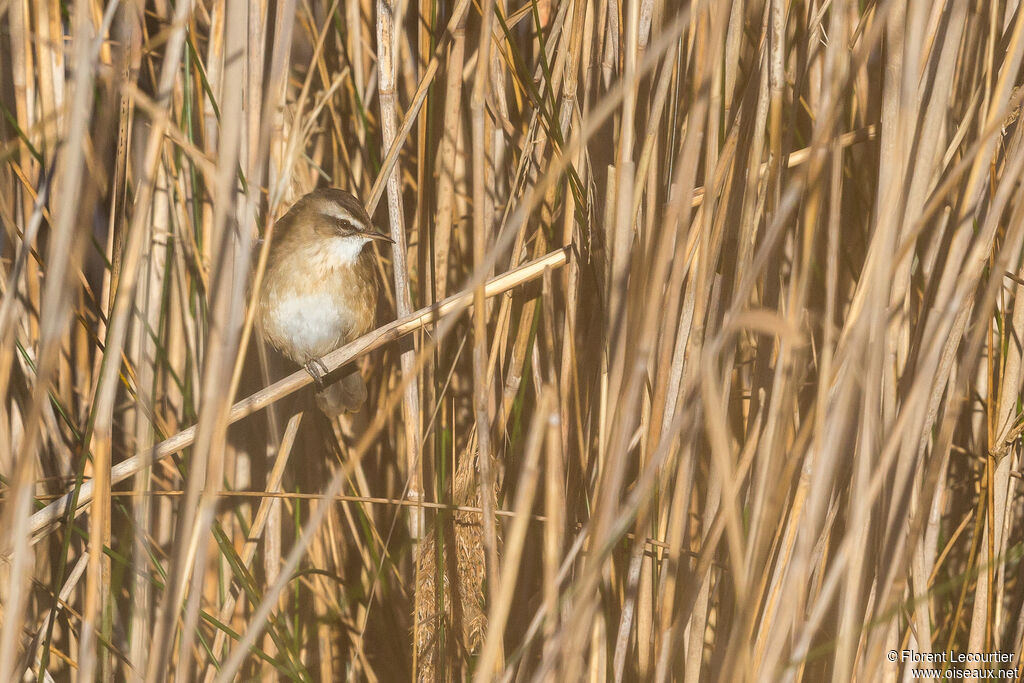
{"points": [[699, 356]]}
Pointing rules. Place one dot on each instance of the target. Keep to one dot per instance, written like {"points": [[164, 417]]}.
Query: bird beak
{"points": [[379, 236]]}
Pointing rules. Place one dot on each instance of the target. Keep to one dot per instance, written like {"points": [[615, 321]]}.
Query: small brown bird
{"points": [[320, 288]]}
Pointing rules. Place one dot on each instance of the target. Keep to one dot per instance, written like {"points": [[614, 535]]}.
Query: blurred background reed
{"points": [[749, 411]]}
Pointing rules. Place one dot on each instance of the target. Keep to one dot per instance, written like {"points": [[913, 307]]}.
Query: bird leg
{"points": [[317, 370]]}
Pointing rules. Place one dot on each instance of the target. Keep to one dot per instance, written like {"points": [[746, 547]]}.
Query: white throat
{"points": [[345, 250]]}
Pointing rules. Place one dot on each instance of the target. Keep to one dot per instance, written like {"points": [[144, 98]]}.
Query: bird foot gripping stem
{"points": [[317, 370]]}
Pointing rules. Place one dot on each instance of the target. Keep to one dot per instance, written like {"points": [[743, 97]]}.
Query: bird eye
{"points": [[343, 226]]}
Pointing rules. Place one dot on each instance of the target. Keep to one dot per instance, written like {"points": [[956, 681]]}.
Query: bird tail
{"points": [[347, 394]]}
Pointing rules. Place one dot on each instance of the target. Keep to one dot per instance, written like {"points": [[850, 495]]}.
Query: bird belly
{"points": [[307, 326]]}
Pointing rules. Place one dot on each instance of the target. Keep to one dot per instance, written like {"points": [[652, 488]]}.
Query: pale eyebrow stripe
{"points": [[335, 211]]}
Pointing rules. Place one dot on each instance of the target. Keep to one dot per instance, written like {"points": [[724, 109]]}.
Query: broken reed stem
{"points": [[300, 378], [800, 156]]}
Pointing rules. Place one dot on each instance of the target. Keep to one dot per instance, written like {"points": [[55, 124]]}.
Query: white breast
{"points": [[314, 324]]}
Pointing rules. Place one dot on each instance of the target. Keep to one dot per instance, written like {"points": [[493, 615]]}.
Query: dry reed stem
{"points": [[387, 43], [481, 242]]}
